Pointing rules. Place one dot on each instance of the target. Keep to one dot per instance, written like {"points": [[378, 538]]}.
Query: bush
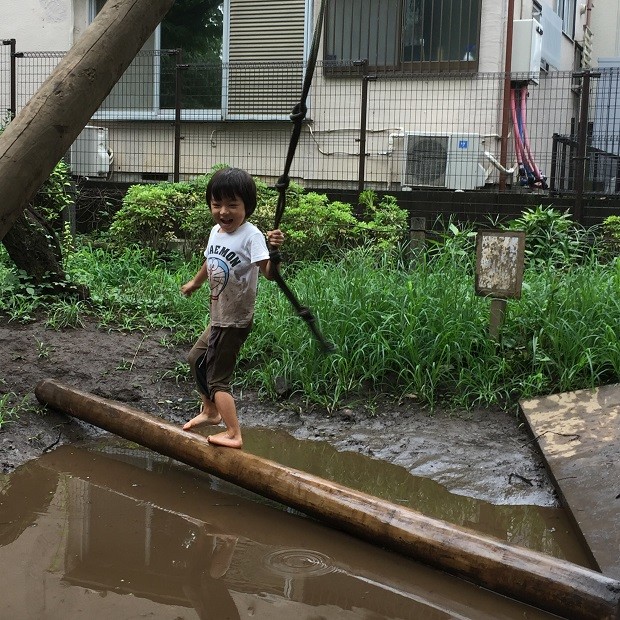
{"points": [[551, 238], [385, 223], [152, 215]]}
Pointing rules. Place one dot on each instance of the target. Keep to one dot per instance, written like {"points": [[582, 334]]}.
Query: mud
{"points": [[484, 454]]}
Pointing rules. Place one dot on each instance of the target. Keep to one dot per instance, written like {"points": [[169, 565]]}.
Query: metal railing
{"points": [[170, 120]]}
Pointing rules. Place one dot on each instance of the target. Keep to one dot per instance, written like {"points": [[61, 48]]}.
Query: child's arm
{"points": [[196, 282], [268, 268]]}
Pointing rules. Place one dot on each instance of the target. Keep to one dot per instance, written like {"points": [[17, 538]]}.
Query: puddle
{"points": [[545, 529], [113, 530]]}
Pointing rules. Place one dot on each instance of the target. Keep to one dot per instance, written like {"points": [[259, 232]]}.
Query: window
{"points": [[566, 10], [403, 35], [196, 28]]}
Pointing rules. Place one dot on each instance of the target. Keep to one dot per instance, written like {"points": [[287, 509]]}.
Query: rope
{"points": [[298, 115]]}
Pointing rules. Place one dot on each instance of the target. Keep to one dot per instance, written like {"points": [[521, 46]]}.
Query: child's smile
{"points": [[228, 213]]}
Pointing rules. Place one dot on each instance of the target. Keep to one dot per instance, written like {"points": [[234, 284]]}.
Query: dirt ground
{"points": [[484, 454]]}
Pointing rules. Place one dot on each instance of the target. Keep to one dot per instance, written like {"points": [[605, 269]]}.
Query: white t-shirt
{"points": [[233, 273]]}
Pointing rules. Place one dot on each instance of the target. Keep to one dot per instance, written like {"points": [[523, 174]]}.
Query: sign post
{"points": [[500, 258]]}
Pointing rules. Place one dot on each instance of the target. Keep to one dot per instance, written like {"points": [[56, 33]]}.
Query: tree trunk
{"points": [[35, 250], [42, 132], [32, 251]]}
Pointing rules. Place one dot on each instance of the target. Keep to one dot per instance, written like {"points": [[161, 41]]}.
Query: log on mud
{"points": [[551, 584]]}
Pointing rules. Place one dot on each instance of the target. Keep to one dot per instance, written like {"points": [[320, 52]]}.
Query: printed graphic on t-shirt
{"points": [[219, 272]]}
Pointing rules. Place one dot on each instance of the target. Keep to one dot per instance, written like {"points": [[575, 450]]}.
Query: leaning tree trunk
{"points": [[42, 132]]}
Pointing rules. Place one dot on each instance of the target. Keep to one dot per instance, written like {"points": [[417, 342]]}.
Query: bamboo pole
{"points": [[42, 132], [551, 584]]}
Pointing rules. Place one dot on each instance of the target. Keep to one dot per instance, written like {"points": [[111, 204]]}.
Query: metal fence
{"points": [[557, 134]]}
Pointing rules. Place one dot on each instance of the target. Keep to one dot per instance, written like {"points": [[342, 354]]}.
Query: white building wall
{"points": [[605, 24], [38, 25]]}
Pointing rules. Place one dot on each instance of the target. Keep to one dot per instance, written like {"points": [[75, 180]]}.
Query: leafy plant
{"points": [[55, 194], [384, 223], [152, 214], [9, 409], [551, 237]]}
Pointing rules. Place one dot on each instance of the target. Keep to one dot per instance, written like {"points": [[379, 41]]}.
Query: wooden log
{"points": [[551, 584], [42, 132]]}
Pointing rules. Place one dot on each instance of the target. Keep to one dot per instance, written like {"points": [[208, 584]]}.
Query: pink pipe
{"points": [[515, 128], [526, 140]]}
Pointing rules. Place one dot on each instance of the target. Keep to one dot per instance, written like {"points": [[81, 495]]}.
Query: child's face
{"points": [[229, 213]]}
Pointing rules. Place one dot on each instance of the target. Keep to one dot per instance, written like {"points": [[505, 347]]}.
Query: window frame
{"points": [[567, 10], [156, 112], [401, 67]]}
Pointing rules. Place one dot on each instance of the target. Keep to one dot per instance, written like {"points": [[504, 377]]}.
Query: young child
{"points": [[235, 253]]}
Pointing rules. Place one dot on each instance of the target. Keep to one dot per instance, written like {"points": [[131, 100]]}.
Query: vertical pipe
{"points": [[503, 158]]}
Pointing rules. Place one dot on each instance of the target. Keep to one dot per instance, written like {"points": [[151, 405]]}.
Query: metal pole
{"points": [[363, 121], [582, 139], [178, 92], [13, 73]]}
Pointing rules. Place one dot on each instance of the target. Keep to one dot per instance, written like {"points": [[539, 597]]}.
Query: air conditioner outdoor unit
{"points": [[452, 161], [90, 154]]}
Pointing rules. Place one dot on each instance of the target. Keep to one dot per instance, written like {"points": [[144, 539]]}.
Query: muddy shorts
{"points": [[212, 359]]}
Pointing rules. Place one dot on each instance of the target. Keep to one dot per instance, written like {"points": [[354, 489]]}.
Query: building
{"points": [[427, 107]]}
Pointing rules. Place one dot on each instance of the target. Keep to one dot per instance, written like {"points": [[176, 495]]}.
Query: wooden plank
{"points": [[548, 583], [578, 434]]}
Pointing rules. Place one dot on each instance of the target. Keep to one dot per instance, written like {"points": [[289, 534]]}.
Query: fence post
{"points": [[178, 91], [13, 88], [554, 162], [582, 139], [363, 116]]}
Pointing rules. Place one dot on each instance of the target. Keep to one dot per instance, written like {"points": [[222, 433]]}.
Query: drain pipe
{"points": [[506, 102]]}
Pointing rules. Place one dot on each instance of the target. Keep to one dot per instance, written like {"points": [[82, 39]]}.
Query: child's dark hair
{"points": [[229, 183]]}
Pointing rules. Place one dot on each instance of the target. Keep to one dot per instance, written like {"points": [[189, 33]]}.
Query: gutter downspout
{"points": [[503, 157]]}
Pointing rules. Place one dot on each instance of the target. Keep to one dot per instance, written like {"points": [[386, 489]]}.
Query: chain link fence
{"points": [[551, 136]]}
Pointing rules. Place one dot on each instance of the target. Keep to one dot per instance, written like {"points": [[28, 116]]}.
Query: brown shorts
{"points": [[212, 359]]}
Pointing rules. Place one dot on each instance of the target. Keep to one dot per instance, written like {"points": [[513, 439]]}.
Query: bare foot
{"points": [[204, 417], [224, 439]]}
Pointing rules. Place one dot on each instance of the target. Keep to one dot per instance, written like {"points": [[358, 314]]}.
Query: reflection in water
{"points": [[131, 534], [543, 529]]}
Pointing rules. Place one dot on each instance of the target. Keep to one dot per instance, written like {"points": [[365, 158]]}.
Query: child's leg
{"points": [[196, 358], [224, 346], [231, 437]]}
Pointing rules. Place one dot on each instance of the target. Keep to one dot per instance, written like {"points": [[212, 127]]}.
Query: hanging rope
{"points": [[298, 115]]}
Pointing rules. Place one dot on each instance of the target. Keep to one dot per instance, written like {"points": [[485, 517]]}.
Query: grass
{"points": [[10, 408], [401, 326]]}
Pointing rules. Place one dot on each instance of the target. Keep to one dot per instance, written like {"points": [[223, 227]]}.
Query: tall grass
{"points": [[404, 327]]}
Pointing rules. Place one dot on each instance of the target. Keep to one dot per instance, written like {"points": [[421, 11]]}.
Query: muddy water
{"points": [[115, 531]]}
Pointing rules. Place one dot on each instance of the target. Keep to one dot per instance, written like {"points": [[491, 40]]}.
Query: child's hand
{"points": [[275, 238], [188, 288]]}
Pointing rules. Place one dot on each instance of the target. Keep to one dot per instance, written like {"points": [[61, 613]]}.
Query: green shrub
{"points": [[551, 237], [55, 194], [385, 223], [152, 215]]}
